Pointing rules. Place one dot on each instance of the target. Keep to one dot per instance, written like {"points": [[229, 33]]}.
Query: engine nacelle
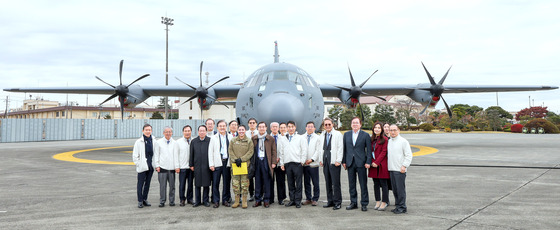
{"points": [[135, 90], [347, 100], [424, 97], [207, 102]]}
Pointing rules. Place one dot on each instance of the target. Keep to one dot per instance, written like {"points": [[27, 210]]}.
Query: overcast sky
{"points": [[59, 43]]}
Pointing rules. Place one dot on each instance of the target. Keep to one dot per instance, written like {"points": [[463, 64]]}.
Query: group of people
{"points": [[271, 158]]}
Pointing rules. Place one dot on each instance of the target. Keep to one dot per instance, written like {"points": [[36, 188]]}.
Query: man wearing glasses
{"points": [[166, 162], [330, 157], [399, 157], [357, 159]]}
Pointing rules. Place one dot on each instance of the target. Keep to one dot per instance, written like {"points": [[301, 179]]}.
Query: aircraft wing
{"points": [[383, 90], [183, 91]]}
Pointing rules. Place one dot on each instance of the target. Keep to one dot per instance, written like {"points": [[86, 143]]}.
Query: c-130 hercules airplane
{"points": [[281, 92]]}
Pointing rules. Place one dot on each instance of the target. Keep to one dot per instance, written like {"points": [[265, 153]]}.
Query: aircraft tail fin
{"points": [[276, 55]]}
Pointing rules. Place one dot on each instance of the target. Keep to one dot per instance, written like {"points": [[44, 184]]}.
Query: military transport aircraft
{"points": [[281, 92]]}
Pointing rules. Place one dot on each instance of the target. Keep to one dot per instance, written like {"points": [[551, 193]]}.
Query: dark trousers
{"points": [[280, 178], [399, 189], [332, 181], [166, 177], [143, 184], [294, 172], [362, 177], [186, 181], [218, 174], [205, 192], [251, 186], [380, 186], [262, 180], [311, 175]]}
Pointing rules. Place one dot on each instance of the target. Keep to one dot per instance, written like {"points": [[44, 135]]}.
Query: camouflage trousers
{"points": [[240, 184]]}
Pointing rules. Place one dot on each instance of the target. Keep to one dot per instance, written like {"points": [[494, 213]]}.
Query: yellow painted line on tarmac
{"points": [[69, 156], [423, 150]]}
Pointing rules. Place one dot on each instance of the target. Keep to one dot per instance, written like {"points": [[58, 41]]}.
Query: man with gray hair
{"points": [[166, 163], [399, 157]]}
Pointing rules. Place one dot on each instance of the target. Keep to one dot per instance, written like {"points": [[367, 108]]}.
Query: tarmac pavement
{"points": [[474, 181]]}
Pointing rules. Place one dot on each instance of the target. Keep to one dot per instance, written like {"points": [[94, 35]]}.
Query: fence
{"points": [[21, 130]]}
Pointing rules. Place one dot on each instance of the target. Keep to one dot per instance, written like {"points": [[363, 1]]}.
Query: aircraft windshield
{"points": [[297, 75]]}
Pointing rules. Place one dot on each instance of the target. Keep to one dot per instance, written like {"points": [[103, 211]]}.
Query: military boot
{"points": [[244, 201], [236, 203]]}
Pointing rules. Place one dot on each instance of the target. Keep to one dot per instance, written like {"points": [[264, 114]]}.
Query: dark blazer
{"points": [[199, 160], [380, 151], [269, 150], [358, 154]]}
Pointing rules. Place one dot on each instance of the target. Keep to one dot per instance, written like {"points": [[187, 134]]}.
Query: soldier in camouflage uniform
{"points": [[240, 150]]}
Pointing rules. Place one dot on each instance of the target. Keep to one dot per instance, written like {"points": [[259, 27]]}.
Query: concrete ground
{"points": [[462, 186]]}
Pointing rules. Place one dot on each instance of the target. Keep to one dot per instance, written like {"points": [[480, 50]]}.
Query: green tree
{"points": [[334, 113], [501, 112], [107, 116], [385, 114], [473, 110], [494, 119], [366, 124], [346, 118], [161, 104], [156, 115]]}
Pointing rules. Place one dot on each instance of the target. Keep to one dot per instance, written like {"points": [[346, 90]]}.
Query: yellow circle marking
{"points": [[423, 150], [69, 156]]}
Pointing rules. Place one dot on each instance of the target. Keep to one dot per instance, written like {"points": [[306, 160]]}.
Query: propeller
{"points": [[436, 89], [121, 90], [356, 91], [202, 92]]}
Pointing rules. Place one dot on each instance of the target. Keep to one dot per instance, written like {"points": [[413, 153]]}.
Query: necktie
{"points": [[308, 138], [290, 138], [275, 138], [167, 142], [188, 141], [328, 137]]}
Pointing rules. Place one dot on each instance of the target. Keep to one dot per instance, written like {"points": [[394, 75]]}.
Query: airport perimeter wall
{"points": [[22, 130]]}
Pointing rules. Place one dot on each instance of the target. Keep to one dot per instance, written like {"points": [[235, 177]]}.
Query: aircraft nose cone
{"points": [[281, 107]]}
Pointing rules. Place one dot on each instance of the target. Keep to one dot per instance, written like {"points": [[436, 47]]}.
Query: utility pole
{"points": [[6, 111], [168, 22]]}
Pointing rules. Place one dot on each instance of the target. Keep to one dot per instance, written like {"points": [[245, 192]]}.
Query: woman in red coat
{"points": [[378, 170]]}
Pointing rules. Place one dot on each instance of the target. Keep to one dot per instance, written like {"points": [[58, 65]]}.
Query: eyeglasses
{"points": [[252, 122], [393, 130]]}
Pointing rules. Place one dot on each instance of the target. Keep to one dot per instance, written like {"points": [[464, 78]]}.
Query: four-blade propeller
{"points": [[437, 89], [356, 91], [202, 92], [121, 90]]}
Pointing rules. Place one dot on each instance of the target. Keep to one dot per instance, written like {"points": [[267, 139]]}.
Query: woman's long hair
{"points": [[381, 135]]}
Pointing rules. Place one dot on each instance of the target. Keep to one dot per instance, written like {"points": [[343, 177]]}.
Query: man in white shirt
{"points": [[233, 125], [330, 157], [294, 149], [210, 126], [218, 161], [283, 129], [186, 175], [399, 157], [311, 166], [166, 163], [250, 133]]}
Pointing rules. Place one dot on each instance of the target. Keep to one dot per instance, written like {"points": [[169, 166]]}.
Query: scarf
{"points": [[261, 141]]}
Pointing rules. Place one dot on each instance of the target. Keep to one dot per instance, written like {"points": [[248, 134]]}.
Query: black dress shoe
{"points": [[182, 203], [207, 204], [252, 198], [266, 204], [281, 202], [225, 203], [291, 203], [146, 203], [217, 204], [298, 205], [364, 208], [400, 211], [190, 202], [351, 206], [328, 205], [171, 204], [257, 204], [140, 205], [337, 207], [393, 210], [196, 205], [161, 205]]}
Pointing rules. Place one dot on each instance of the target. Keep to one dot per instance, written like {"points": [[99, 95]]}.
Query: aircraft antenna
{"points": [[276, 55]]}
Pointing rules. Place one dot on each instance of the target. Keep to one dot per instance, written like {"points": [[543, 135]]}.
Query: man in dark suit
{"points": [[356, 159], [264, 162]]}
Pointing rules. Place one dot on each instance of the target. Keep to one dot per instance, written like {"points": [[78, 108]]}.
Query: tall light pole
{"points": [[168, 22]]}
